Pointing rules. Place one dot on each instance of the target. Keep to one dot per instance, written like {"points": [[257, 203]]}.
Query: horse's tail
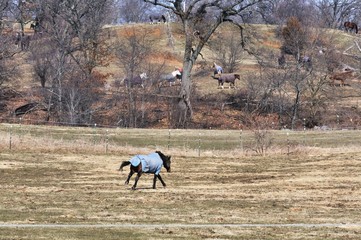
{"points": [[356, 28], [124, 163]]}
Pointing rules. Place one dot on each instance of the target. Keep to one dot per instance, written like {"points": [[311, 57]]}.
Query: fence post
{"points": [[199, 144], [288, 144], [338, 121], [10, 136], [241, 140], [304, 132], [168, 138], [95, 133], [106, 141]]}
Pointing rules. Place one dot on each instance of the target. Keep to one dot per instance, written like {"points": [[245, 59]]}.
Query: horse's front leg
{"points": [[129, 176], [136, 180], [160, 179]]}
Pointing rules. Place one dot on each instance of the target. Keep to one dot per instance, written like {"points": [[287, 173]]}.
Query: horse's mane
{"points": [[162, 156]]}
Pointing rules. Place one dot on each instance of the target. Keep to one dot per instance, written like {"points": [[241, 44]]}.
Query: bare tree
{"points": [[335, 12], [7, 45], [72, 46], [227, 50], [203, 17], [304, 11], [133, 11], [132, 52]]}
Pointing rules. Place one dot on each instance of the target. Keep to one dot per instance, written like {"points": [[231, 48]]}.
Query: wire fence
{"points": [[16, 135]]}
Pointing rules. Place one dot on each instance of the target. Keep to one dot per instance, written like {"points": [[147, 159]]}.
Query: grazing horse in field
{"points": [[217, 69], [170, 78], [157, 19], [227, 78], [138, 80], [151, 163], [350, 27]]}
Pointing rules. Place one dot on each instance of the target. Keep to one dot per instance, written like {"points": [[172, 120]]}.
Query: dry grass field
{"points": [[60, 187]]}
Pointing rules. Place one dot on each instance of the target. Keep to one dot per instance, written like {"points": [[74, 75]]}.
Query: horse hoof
{"points": [[133, 188]]}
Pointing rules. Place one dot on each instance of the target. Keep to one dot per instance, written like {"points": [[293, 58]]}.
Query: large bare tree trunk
{"points": [[185, 110]]}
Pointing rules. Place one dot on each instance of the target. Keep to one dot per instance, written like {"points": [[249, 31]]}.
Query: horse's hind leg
{"points": [[136, 180], [154, 181]]}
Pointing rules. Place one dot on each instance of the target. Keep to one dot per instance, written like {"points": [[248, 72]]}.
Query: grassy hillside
{"points": [[212, 106]]}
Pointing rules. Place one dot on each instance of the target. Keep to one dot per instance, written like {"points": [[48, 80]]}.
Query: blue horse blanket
{"points": [[151, 163]]}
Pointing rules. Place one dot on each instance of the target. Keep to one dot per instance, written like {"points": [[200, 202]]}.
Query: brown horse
{"points": [[342, 77], [227, 78], [350, 27], [151, 163]]}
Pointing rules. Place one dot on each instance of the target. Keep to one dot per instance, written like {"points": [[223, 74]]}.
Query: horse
{"points": [[138, 80], [17, 39], [228, 78], [306, 62], [157, 19], [281, 61], [350, 27], [171, 78], [25, 42], [151, 163], [35, 26], [217, 69], [342, 77], [22, 41]]}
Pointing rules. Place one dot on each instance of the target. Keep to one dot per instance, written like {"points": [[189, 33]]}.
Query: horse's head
{"points": [[165, 159], [237, 76]]}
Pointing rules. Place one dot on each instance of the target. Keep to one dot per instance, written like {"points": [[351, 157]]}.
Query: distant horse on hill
{"points": [[157, 19], [306, 62], [227, 78], [350, 27], [217, 69], [342, 77], [170, 78], [22, 41], [138, 80]]}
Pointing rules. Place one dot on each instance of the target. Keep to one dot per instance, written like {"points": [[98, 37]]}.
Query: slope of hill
{"points": [[213, 107]]}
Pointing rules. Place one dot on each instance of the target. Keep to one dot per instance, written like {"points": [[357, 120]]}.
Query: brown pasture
{"points": [[52, 192]]}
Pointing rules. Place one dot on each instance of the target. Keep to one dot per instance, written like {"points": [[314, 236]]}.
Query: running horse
{"points": [[350, 27], [151, 163]]}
